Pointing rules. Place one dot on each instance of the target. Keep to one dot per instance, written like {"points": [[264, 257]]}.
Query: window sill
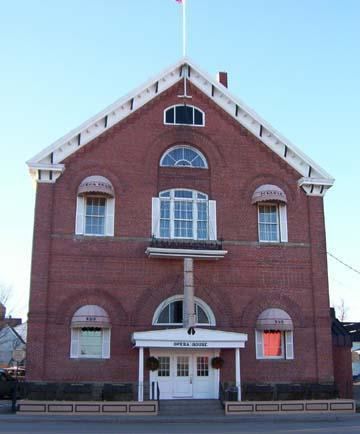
{"points": [[273, 359], [94, 359]]}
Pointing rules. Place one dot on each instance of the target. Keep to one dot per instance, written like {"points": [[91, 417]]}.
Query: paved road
{"points": [[304, 424]]}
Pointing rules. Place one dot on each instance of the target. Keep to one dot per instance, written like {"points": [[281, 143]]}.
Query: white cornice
{"points": [[237, 109]]}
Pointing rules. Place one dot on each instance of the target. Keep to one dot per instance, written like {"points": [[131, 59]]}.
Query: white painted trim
{"points": [[178, 297], [187, 125], [185, 167], [123, 107], [175, 338], [159, 252], [283, 222], [47, 166], [237, 372], [141, 375]]}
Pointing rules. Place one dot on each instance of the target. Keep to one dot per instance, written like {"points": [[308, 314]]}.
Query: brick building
{"points": [[177, 224]]}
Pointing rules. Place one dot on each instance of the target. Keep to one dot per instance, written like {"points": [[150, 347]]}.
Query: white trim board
{"points": [[237, 109], [181, 339]]}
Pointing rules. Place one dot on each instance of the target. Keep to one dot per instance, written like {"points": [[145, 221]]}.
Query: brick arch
{"points": [[72, 182], [150, 298], [177, 135], [115, 310], [219, 302], [272, 299], [267, 178]]}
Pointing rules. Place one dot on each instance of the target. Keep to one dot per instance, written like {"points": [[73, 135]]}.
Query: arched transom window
{"points": [[170, 312], [183, 156], [184, 114]]}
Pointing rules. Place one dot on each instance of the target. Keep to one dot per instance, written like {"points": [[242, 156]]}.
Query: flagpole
{"points": [[184, 26]]}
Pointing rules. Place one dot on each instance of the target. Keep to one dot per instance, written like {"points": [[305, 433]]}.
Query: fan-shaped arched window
{"points": [[170, 312], [183, 156], [183, 114]]}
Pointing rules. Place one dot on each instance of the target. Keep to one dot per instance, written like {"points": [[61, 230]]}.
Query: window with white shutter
{"points": [[183, 214], [90, 333]]}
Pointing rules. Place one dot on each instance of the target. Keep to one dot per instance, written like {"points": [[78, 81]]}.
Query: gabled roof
{"points": [[48, 165]]}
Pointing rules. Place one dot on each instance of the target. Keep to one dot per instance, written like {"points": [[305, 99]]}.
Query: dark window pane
{"points": [[201, 316], [164, 316], [176, 312], [169, 117], [184, 115], [198, 117]]}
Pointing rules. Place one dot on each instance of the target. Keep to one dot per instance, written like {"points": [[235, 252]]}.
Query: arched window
{"points": [[272, 214], [170, 312], [183, 156], [183, 114], [95, 207], [90, 333], [183, 214], [274, 335]]}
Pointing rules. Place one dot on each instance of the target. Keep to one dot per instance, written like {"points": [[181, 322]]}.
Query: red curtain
{"points": [[272, 343]]}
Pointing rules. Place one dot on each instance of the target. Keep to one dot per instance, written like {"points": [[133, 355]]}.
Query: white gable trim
{"points": [[317, 179]]}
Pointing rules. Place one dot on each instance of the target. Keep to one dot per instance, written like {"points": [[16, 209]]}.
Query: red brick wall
{"points": [[69, 271], [343, 370]]}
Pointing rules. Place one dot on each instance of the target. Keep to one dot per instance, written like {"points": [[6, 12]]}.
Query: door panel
{"points": [[186, 374], [183, 377]]}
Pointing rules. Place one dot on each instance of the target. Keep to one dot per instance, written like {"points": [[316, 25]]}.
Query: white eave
{"points": [[180, 338], [237, 109]]}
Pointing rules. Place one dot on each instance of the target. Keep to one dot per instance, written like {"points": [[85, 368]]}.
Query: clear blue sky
{"points": [[295, 62]]}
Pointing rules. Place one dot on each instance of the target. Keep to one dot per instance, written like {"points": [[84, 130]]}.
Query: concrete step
{"points": [[187, 407]]}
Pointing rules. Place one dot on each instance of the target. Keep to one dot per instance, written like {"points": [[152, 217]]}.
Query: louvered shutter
{"points": [[283, 223], [212, 220], [259, 344], [289, 342], [155, 217], [106, 343], [75, 342], [80, 212], [110, 217]]}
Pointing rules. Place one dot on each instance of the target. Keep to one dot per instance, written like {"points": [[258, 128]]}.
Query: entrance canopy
{"points": [[180, 338]]}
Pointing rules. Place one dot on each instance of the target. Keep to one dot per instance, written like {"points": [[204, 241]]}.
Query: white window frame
{"points": [[200, 154], [287, 345], [80, 221], [281, 216], [193, 117], [75, 344], [204, 306], [211, 214]]}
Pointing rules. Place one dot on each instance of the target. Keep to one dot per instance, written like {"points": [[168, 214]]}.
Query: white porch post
{"points": [[141, 375], [189, 305], [237, 372]]}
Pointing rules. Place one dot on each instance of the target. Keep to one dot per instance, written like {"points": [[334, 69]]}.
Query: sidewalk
{"points": [[304, 418]]}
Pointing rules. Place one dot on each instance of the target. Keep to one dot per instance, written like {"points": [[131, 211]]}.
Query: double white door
{"points": [[186, 375]]}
